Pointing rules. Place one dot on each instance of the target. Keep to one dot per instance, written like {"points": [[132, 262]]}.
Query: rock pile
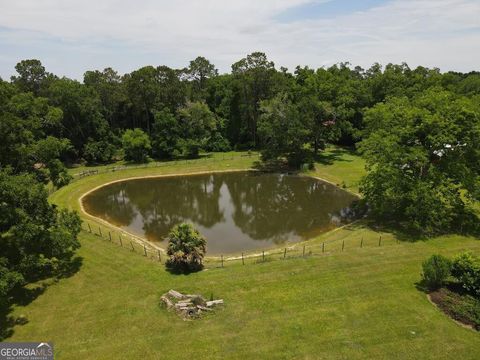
{"points": [[188, 306]]}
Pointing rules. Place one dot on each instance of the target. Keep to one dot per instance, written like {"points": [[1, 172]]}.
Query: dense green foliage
{"points": [[328, 103], [36, 239], [423, 158], [282, 131], [136, 145], [466, 269], [186, 248], [436, 270]]}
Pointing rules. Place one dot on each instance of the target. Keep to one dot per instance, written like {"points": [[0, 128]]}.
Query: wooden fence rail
{"points": [[294, 251]]}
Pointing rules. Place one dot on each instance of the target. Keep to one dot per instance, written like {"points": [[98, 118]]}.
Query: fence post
{"points": [[361, 243], [120, 238], [380, 241], [263, 255], [343, 245], [222, 259], [145, 249], [285, 254], [89, 227], [243, 261], [159, 256], [110, 236], [323, 247], [303, 251]]}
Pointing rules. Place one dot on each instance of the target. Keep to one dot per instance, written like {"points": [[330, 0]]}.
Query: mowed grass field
{"points": [[359, 303]]}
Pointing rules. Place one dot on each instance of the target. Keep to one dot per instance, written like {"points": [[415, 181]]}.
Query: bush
{"points": [[136, 145], [436, 270], [186, 248], [466, 269], [96, 152], [191, 149]]}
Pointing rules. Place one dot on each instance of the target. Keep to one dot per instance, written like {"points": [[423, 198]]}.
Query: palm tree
{"points": [[186, 248]]}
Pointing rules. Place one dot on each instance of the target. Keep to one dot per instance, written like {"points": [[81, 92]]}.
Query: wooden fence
{"points": [[292, 251]]}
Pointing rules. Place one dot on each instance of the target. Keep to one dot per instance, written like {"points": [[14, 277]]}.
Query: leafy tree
{"points": [[112, 92], [82, 112], [31, 76], [186, 248], [37, 114], [165, 135], [47, 152], [321, 121], [282, 131], [151, 89], [136, 145], [197, 124], [199, 71], [255, 75], [16, 140], [99, 152], [37, 240], [423, 161], [24, 147]]}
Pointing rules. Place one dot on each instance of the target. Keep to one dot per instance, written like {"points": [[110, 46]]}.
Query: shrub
{"points": [[186, 248], [436, 270], [466, 269], [99, 151], [136, 145]]}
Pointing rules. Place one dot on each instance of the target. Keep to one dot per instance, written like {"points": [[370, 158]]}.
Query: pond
{"points": [[236, 211]]}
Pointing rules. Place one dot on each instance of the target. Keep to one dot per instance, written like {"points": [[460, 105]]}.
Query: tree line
{"points": [[164, 113]]}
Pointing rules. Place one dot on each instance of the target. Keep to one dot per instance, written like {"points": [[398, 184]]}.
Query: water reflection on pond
{"points": [[235, 211]]}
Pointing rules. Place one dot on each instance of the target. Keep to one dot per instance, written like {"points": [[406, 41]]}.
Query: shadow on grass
{"points": [[329, 157], [25, 295], [422, 286], [180, 271], [72, 268], [182, 268], [402, 232]]}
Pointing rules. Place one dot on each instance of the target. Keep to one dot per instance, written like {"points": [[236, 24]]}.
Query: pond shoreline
{"points": [[142, 240]]}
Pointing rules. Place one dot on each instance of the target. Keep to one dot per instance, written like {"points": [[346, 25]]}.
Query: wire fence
{"points": [[205, 158], [156, 164], [305, 250]]}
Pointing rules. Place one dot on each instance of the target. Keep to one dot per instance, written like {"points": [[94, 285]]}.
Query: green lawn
{"points": [[359, 303], [340, 166]]}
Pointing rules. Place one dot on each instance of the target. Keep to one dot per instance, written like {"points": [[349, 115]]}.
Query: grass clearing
{"points": [[360, 303], [341, 166]]}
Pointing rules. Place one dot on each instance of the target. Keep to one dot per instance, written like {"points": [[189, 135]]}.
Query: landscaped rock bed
{"points": [[188, 306]]}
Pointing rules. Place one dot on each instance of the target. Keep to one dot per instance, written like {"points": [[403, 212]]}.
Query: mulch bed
{"points": [[460, 307]]}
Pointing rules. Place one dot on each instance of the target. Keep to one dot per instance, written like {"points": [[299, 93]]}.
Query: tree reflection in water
{"points": [[235, 211]]}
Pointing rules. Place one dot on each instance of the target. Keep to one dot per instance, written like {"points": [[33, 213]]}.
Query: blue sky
{"points": [[71, 36]]}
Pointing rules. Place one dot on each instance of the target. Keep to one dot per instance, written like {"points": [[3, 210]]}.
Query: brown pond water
{"points": [[236, 211]]}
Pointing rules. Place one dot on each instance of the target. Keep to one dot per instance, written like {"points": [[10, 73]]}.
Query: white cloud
{"points": [[443, 33]]}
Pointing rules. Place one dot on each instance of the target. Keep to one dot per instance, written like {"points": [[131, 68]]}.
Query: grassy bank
{"points": [[359, 303]]}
